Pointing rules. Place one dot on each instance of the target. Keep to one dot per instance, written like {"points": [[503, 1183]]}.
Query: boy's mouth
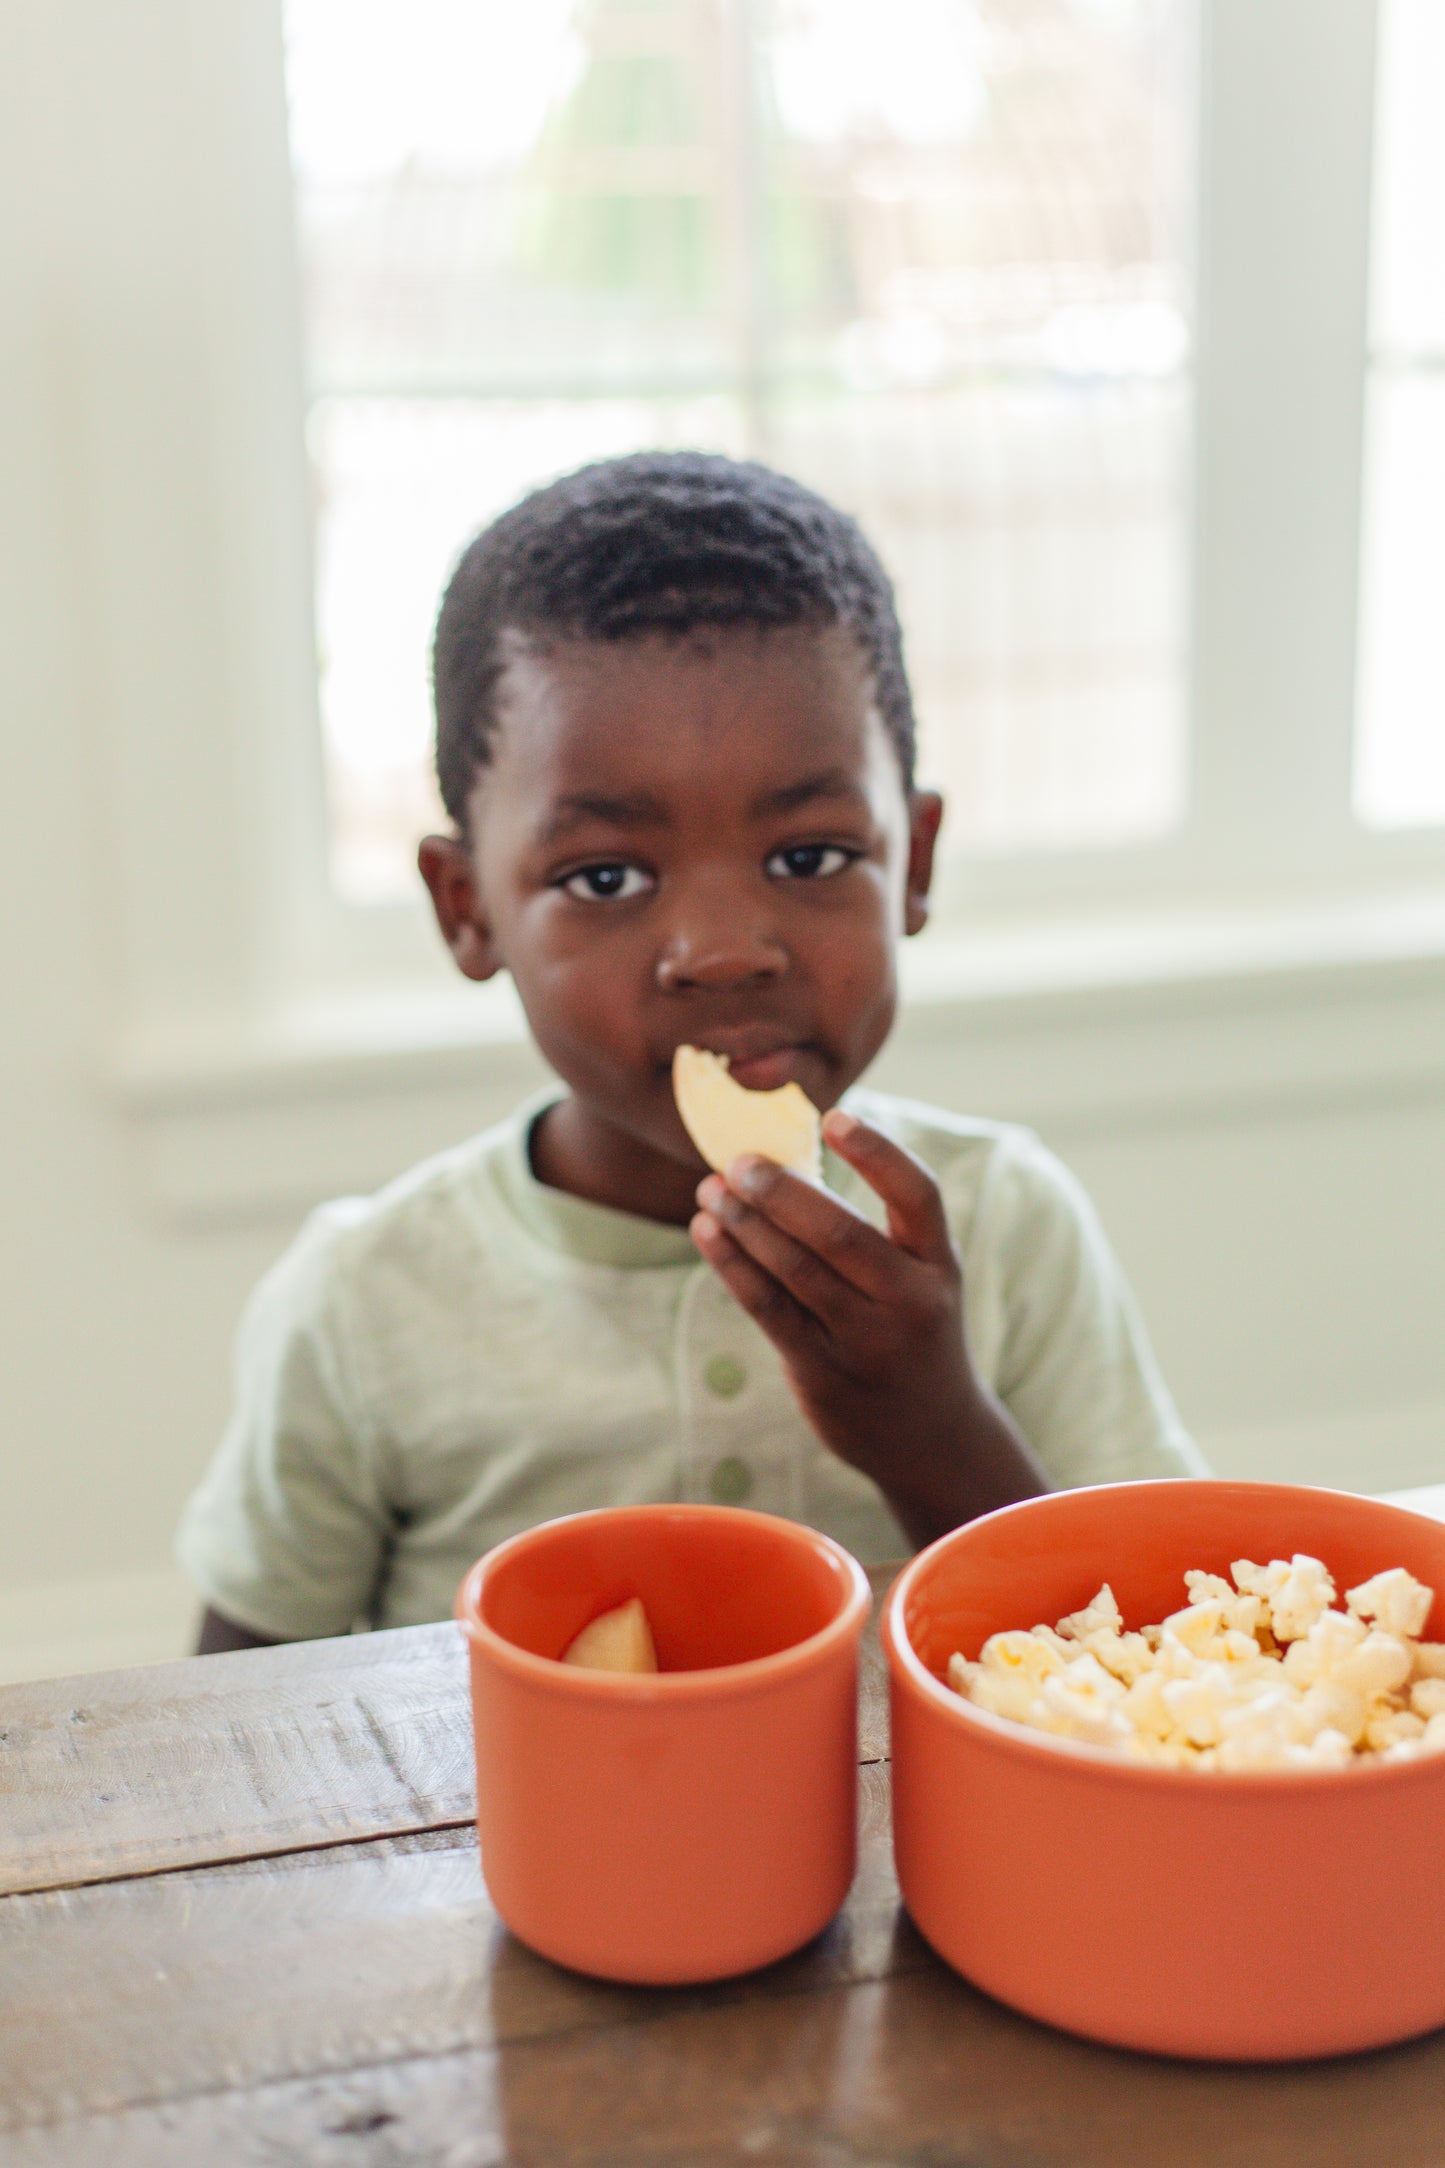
{"points": [[758, 1060]]}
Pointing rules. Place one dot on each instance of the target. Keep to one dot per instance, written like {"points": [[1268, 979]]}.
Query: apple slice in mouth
{"points": [[723, 1119]]}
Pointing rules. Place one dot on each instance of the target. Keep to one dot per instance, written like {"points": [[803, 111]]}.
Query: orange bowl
{"points": [[691, 1823], [1243, 1916]]}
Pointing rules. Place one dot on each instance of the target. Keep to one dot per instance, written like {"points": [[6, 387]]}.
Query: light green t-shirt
{"points": [[469, 1352]]}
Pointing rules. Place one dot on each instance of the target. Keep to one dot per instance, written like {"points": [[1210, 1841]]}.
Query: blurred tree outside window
{"points": [[931, 257]]}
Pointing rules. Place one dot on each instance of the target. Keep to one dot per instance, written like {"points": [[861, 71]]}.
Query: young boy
{"points": [[675, 737]]}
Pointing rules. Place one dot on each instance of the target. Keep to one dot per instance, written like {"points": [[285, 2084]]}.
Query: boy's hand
{"points": [[870, 1326]]}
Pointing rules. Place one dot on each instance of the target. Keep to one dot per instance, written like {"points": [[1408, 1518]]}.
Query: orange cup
{"points": [[687, 1824], [1253, 1917]]}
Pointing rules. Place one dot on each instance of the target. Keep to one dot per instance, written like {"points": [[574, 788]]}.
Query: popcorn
{"points": [[1197, 1705], [1297, 1594], [1380, 1665], [1126, 1656], [1260, 1673], [1391, 1726], [1396, 1601], [1020, 1655], [1332, 1705], [1304, 1595], [1331, 1639], [1102, 1611], [1085, 1703], [1198, 1626]]}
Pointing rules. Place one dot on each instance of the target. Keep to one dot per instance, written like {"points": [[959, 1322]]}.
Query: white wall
{"points": [[1263, 1127]]}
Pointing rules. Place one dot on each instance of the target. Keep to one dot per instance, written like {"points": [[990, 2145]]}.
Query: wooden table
{"points": [[241, 1921]]}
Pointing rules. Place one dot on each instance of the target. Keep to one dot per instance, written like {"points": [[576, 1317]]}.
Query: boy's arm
{"points": [[219, 1635], [870, 1327], [290, 1526]]}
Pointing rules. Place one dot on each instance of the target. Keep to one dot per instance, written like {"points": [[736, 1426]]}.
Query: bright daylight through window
{"points": [[1400, 747], [929, 256]]}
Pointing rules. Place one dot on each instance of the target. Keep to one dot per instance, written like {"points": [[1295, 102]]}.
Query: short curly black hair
{"points": [[656, 542]]}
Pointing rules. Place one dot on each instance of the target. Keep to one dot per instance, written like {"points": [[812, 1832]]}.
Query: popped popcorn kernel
{"points": [[1331, 1639], [1262, 1674], [1198, 1626], [1303, 1595], [961, 1675], [1330, 1749], [1391, 1726], [1146, 1708], [1333, 1705], [1020, 1654], [1014, 1696], [1197, 1705], [1084, 1703], [1124, 1656], [1262, 1581], [1427, 1697], [1380, 1665], [1101, 1610], [1395, 1601]]}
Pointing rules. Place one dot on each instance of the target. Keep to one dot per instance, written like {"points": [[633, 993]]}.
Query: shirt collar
{"points": [[597, 1234]]}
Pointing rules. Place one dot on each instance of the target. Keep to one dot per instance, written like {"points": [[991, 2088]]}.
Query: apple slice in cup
{"points": [[617, 1640]]}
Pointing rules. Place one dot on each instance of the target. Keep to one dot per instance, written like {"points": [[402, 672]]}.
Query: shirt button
{"points": [[725, 1376], [730, 1481]]}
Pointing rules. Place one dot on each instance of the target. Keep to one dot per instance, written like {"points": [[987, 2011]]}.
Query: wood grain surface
{"points": [[362, 2003], [134, 1772], [281, 1974], [270, 1750], [915, 2070], [362, 1953]]}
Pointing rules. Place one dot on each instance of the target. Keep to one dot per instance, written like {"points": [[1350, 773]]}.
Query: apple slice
{"points": [[619, 1640], [723, 1119]]}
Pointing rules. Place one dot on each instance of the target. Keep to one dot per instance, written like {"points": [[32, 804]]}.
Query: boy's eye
{"points": [[809, 861], [601, 884]]}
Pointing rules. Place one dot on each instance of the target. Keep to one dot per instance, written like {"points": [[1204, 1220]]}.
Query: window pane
{"points": [[1400, 736], [1400, 757], [927, 257], [1408, 270]]}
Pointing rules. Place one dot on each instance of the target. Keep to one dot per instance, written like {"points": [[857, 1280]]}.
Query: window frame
{"points": [[1280, 373]]}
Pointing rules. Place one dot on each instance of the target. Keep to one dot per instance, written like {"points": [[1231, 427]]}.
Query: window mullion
{"points": [[1285, 160]]}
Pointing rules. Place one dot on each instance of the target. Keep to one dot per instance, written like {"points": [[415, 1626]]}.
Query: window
{"points": [[1400, 753], [929, 257], [1077, 303]]}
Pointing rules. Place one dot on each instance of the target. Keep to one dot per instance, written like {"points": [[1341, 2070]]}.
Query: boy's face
{"points": [[698, 839]]}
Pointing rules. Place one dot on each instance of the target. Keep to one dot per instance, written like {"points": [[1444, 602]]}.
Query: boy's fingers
{"points": [[916, 1218], [789, 1327], [826, 1227], [807, 1276]]}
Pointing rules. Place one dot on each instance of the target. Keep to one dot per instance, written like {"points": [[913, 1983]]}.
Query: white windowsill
{"points": [[1071, 1026]]}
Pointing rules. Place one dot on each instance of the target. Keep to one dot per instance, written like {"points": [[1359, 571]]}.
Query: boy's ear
{"points": [[446, 867], [925, 812]]}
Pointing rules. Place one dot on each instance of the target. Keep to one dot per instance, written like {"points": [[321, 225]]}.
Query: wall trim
{"points": [[1394, 1450], [104, 1623], [1081, 1031]]}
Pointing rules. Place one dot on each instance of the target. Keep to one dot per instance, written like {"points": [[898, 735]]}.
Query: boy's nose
{"points": [[727, 954]]}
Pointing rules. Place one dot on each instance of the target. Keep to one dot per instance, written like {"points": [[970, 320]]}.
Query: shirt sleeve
{"points": [[1074, 1366], [289, 1531]]}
